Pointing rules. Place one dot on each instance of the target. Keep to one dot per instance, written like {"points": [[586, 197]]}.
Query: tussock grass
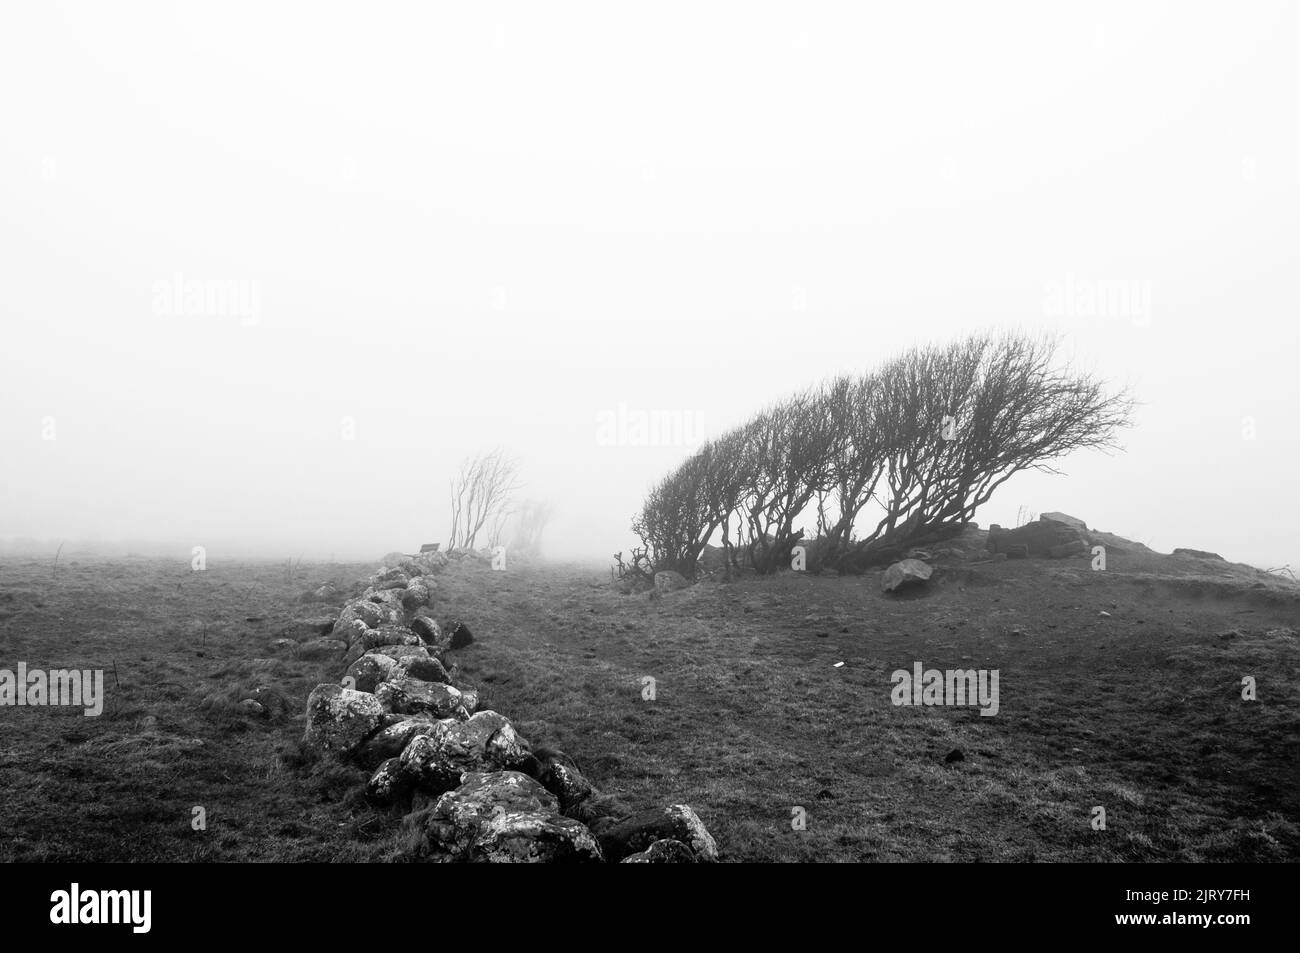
{"points": [[1139, 712]]}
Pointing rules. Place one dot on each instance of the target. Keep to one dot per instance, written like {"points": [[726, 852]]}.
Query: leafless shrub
{"points": [[639, 567]]}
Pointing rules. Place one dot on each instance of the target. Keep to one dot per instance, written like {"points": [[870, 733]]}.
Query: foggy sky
{"points": [[469, 228]]}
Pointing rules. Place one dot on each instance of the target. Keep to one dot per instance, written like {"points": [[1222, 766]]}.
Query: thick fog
{"points": [[271, 271]]}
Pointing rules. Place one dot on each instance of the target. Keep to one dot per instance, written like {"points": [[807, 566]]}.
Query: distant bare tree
{"points": [[480, 495], [531, 520]]}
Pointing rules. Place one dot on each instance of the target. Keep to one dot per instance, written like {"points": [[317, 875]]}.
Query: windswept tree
{"points": [[858, 463], [480, 497], [676, 522], [985, 409], [900, 454], [923, 397], [729, 470], [794, 444]]}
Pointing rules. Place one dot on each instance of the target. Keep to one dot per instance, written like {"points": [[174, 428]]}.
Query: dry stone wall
{"points": [[471, 788]]}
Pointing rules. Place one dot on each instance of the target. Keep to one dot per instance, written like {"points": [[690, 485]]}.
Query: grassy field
{"points": [[1139, 712]]}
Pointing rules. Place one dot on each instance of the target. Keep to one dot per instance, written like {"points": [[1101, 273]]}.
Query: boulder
{"points": [[350, 631], [400, 581], [368, 671], [388, 785], [662, 852], [484, 742], [411, 696], [674, 822], [389, 602], [1015, 551], [415, 595], [375, 667], [391, 740], [326, 593], [455, 818], [403, 652], [905, 572], [537, 838], [390, 609], [340, 719], [370, 614], [390, 634], [503, 817], [460, 636], [430, 633], [1065, 518], [668, 580], [558, 774], [355, 651], [426, 669]]}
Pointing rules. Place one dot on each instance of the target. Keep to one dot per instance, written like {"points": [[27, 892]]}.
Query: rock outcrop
{"points": [[1046, 538]]}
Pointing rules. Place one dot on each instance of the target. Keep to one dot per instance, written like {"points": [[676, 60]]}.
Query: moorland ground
{"points": [[1139, 711]]}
